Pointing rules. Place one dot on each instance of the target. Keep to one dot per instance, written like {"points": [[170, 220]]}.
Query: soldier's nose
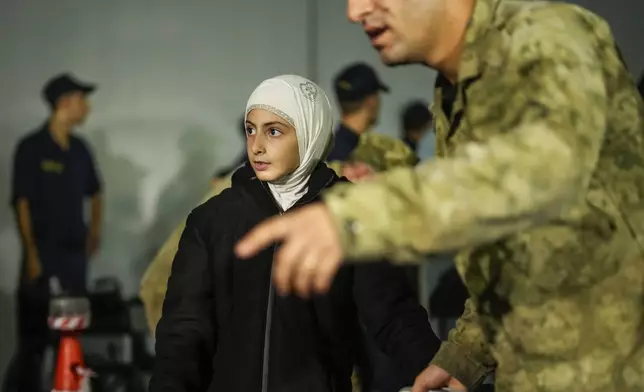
{"points": [[357, 10]]}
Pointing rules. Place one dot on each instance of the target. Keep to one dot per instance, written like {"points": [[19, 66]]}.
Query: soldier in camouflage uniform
{"points": [[541, 188]]}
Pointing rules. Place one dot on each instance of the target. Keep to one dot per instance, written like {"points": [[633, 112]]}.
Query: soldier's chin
{"points": [[392, 57]]}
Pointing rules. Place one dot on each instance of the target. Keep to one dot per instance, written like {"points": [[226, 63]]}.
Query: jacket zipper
{"points": [[267, 329], [271, 295]]}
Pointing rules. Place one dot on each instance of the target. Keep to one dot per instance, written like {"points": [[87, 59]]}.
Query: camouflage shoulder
{"points": [[544, 22], [383, 152]]}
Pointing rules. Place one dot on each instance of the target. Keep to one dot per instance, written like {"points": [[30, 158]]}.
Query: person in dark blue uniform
{"points": [[416, 121], [53, 174], [357, 89]]}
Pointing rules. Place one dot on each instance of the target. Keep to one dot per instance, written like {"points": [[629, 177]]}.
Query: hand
{"points": [[310, 253], [434, 377], [93, 242], [34, 269], [357, 171]]}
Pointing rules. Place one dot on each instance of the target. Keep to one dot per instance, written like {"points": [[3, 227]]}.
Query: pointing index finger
{"points": [[260, 237]]}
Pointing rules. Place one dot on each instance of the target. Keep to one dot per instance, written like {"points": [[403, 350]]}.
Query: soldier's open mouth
{"points": [[374, 34]]}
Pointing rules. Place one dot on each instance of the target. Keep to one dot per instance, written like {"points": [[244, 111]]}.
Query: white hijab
{"points": [[306, 107]]}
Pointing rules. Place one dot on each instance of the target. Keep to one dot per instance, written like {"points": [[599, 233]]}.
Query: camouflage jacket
{"points": [[541, 190], [381, 152]]}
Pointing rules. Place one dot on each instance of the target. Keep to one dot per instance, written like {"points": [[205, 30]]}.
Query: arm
{"points": [[186, 332], [535, 167], [464, 355], [23, 192], [97, 213], [393, 317], [25, 227]]}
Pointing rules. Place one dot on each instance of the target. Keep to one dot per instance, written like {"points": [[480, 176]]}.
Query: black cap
{"points": [[63, 84], [356, 82]]}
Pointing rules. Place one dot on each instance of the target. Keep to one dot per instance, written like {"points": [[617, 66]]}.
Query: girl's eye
{"points": [[274, 132], [249, 130]]}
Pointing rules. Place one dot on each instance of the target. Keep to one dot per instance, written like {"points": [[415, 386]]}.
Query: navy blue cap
{"points": [[63, 84], [356, 82]]}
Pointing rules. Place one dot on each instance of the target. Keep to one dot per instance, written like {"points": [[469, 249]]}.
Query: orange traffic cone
{"points": [[71, 373]]}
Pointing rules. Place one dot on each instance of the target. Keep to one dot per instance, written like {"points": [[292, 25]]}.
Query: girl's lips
{"points": [[260, 166]]}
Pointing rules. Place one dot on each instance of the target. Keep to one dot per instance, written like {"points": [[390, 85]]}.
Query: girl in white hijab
{"points": [[289, 124], [223, 328]]}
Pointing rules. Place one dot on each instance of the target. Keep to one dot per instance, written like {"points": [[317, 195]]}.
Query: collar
{"points": [[478, 26], [322, 177], [45, 134], [347, 133]]}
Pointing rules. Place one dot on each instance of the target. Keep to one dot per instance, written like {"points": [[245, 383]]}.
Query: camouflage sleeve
{"points": [[464, 355], [539, 127], [155, 279]]}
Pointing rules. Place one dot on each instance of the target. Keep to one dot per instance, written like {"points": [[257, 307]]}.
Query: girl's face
{"points": [[271, 145]]}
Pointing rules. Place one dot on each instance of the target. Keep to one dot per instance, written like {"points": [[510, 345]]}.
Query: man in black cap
{"points": [[53, 174], [357, 88]]}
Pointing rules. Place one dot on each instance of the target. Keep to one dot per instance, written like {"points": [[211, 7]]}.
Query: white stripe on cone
{"points": [[68, 323]]}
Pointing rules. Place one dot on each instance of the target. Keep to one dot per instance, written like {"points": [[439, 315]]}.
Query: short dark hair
{"points": [[416, 115]]}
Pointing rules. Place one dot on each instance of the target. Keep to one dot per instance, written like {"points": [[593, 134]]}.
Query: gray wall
{"points": [[174, 77]]}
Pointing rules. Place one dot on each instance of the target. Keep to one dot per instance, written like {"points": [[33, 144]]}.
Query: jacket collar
{"points": [[477, 28], [321, 178]]}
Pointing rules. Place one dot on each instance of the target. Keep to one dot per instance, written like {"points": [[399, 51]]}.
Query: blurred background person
{"points": [[357, 90], [53, 174], [416, 122]]}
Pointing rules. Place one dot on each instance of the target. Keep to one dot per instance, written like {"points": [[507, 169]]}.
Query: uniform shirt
{"points": [[345, 141], [541, 189], [55, 182]]}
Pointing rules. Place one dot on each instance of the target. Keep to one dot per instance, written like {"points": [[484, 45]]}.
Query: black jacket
{"points": [[211, 336]]}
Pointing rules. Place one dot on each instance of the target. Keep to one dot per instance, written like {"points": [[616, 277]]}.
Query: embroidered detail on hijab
{"points": [[306, 107]]}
